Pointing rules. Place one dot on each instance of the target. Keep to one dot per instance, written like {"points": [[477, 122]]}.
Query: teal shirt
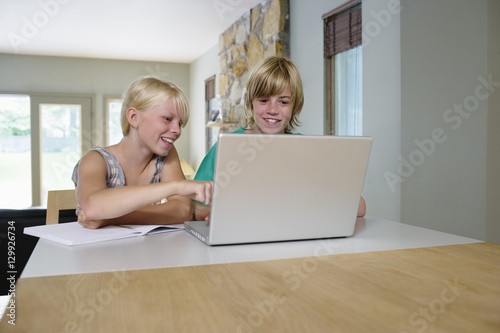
{"points": [[206, 169]]}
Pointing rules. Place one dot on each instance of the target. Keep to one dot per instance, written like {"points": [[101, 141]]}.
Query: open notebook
{"points": [[72, 233], [284, 187]]}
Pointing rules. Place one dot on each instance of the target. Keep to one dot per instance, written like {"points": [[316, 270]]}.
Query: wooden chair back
{"points": [[59, 200]]}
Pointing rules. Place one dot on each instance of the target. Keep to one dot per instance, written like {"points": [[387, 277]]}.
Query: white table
{"points": [[179, 248]]}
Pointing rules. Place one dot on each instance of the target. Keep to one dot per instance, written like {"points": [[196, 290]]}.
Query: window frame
{"points": [[332, 47]]}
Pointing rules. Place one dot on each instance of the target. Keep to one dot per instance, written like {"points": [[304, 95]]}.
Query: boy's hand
{"points": [[201, 212]]}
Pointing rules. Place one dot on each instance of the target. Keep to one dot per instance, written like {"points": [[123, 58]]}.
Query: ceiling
{"points": [[151, 30]]}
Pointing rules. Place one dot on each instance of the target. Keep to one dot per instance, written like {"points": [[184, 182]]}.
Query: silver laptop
{"points": [[270, 188]]}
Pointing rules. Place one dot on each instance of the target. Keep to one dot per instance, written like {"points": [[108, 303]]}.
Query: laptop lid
{"points": [[286, 187]]}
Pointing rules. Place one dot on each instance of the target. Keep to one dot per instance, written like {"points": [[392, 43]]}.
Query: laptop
{"points": [[270, 188]]}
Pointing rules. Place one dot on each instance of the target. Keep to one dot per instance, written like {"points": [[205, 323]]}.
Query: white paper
{"points": [[72, 233]]}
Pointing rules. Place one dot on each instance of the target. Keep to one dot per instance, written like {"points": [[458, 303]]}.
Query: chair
{"points": [[57, 201], [187, 170]]}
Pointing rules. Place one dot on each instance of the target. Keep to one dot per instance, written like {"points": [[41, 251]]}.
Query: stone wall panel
{"points": [[259, 33]]}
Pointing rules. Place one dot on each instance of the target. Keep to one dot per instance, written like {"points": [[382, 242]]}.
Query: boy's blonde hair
{"points": [[148, 91], [270, 77]]}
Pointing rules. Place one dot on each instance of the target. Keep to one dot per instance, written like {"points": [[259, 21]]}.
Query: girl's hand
{"points": [[197, 190]]}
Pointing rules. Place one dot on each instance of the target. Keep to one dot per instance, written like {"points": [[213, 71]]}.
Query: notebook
{"points": [[270, 188], [72, 233]]}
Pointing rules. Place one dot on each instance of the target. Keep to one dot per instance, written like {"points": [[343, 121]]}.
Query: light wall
{"points": [[201, 69], [493, 131], [444, 115]]}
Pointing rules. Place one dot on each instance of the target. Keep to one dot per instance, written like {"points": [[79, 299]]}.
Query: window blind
{"points": [[342, 28]]}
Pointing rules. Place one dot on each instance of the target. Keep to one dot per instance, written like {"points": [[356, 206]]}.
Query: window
{"points": [[15, 148], [348, 92], [343, 67], [42, 137], [114, 129], [60, 145]]}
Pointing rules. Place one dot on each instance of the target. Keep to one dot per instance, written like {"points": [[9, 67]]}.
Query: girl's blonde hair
{"points": [[148, 91], [270, 77]]}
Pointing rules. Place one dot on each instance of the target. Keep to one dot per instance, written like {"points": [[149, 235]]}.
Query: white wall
{"points": [[200, 70], [97, 77], [444, 117], [382, 105], [493, 144]]}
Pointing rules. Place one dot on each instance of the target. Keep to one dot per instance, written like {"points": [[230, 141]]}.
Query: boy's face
{"points": [[272, 114]]}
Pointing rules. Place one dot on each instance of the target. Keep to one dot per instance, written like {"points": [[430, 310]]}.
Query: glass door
{"points": [[15, 151], [41, 139], [61, 133]]}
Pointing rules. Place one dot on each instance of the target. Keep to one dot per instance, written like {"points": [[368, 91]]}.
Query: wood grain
{"points": [[437, 289]]}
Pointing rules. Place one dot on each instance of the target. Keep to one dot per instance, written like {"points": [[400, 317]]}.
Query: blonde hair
{"points": [[270, 77], [148, 91]]}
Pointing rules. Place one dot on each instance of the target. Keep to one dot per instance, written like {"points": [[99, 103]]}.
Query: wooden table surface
{"points": [[453, 288]]}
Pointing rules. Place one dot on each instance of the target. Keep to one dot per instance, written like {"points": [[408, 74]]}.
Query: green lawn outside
{"points": [[15, 176]]}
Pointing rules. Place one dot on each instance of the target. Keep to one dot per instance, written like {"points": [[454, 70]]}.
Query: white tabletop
{"points": [[179, 248]]}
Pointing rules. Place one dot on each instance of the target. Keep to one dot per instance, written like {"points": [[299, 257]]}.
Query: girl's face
{"points": [[161, 126], [272, 113]]}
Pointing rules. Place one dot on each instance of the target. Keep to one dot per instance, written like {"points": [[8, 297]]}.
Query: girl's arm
{"points": [[172, 212], [101, 205]]}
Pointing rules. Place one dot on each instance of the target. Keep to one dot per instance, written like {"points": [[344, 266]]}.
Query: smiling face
{"points": [[274, 96], [160, 126], [148, 92], [272, 114]]}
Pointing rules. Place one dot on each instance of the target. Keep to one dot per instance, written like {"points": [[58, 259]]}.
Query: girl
{"points": [[119, 184]]}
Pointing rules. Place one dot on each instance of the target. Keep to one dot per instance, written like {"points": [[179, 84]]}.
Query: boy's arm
{"points": [[362, 207]]}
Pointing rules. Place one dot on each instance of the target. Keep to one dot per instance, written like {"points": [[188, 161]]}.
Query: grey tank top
{"points": [[115, 176]]}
